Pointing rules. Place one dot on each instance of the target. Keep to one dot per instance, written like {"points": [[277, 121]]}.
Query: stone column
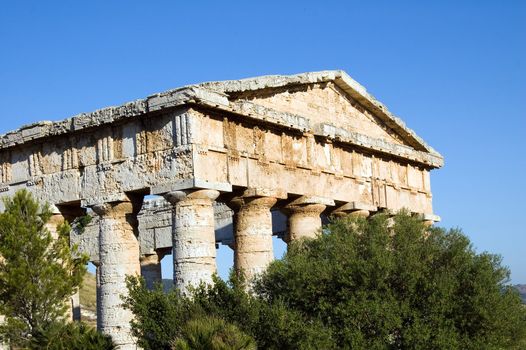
{"points": [[151, 270], [194, 249], [74, 301], [97, 285], [53, 223], [75, 307], [252, 235], [304, 217], [119, 256]]}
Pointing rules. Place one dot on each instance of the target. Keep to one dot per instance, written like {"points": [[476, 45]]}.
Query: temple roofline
{"points": [[216, 95]]}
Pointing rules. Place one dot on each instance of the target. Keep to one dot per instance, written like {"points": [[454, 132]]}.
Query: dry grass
{"points": [[88, 292], [88, 299]]}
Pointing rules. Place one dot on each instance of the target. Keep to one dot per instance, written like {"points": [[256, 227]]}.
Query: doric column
{"points": [[354, 209], [194, 249], [119, 256], [151, 269], [53, 223], [97, 285], [52, 226], [304, 217], [252, 234], [75, 306]]}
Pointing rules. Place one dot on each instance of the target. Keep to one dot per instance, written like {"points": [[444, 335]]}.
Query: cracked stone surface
{"points": [[194, 250], [119, 257]]}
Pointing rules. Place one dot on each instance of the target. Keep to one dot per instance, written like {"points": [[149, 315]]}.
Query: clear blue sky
{"points": [[454, 71]]}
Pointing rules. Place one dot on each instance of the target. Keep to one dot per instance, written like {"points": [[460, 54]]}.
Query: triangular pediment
{"points": [[327, 97], [324, 103]]}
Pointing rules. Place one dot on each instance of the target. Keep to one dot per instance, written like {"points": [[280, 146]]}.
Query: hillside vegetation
{"points": [[522, 291], [88, 299]]}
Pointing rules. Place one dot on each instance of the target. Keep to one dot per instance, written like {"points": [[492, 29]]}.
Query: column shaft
{"points": [[119, 256], [253, 235], [74, 307], [304, 221], [194, 250], [151, 270], [97, 281], [53, 223]]}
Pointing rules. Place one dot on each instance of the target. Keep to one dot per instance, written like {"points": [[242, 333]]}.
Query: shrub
{"points": [[71, 336]]}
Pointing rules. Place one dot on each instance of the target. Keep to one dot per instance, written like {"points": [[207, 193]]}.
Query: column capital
{"points": [[428, 219], [355, 209], [113, 209], [54, 209], [251, 202], [257, 197], [177, 196], [264, 192], [305, 200], [305, 204], [149, 258], [307, 209]]}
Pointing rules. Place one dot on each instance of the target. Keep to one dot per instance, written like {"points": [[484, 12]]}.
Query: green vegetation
{"points": [[38, 274], [88, 299], [162, 318], [212, 334], [71, 336], [88, 292], [366, 284]]}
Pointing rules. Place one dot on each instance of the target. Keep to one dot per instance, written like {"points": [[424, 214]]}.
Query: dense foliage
{"points": [[390, 283], [70, 336], [161, 319], [381, 283], [38, 273], [212, 334]]}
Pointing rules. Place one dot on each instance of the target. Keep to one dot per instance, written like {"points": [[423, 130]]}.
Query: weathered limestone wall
{"points": [[256, 156], [98, 166]]}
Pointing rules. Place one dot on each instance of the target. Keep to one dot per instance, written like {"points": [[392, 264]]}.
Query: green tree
{"points": [[381, 283], [37, 272], [161, 319], [158, 316], [393, 284]]}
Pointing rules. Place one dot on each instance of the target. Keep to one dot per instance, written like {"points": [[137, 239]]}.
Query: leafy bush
{"points": [[393, 284], [212, 334], [381, 283], [71, 336], [159, 317], [162, 318]]}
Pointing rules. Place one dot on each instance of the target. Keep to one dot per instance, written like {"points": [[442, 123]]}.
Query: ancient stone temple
{"points": [[233, 162]]}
